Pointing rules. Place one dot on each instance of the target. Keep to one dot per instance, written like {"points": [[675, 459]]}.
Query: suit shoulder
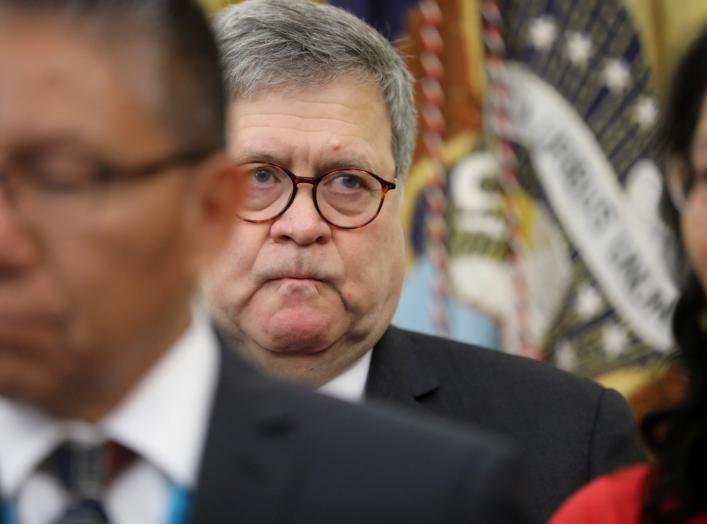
{"points": [[461, 365], [244, 392], [386, 423], [338, 462], [460, 473]]}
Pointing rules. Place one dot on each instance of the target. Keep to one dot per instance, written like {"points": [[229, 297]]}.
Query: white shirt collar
{"points": [[351, 384], [164, 419]]}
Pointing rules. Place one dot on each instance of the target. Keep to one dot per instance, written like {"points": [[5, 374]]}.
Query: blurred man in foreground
{"points": [[323, 125], [117, 401]]}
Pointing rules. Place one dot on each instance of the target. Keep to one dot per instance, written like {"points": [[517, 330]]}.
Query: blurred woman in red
{"points": [[674, 490]]}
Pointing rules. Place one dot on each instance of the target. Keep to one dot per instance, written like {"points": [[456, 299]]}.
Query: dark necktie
{"points": [[85, 471]]}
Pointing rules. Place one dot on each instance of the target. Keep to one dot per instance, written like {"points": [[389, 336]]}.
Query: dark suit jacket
{"points": [[568, 429], [276, 453]]}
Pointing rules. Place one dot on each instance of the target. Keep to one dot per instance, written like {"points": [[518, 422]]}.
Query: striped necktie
{"points": [[85, 472]]}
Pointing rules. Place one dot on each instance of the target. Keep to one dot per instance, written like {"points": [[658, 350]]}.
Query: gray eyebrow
{"points": [[254, 155], [350, 162]]}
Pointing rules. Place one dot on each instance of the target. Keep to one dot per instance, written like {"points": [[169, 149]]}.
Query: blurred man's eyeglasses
{"points": [[347, 198], [61, 176], [681, 180]]}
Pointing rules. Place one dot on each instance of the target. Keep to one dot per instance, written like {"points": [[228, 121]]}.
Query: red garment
{"points": [[611, 499]]}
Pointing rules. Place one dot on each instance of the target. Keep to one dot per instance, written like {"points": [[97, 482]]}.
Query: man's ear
{"points": [[219, 191]]}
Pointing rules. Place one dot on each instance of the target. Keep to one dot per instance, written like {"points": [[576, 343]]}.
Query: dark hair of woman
{"points": [[677, 489]]}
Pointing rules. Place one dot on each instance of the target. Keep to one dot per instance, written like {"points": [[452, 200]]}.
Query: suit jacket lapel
{"points": [[396, 372], [246, 471]]}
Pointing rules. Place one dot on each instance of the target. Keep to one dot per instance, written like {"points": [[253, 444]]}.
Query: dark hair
{"points": [[677, 489], [682, 111], [192, 100]]}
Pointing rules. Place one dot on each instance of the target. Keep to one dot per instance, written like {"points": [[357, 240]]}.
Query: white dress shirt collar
{"points": [[164, 419], [351, 384]]}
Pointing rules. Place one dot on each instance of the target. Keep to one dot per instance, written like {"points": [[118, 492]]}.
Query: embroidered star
{"points": [[566, 357], [543, 33], [579, 49], [646, 112], [615, 340], [588, 302], [616, 75]]}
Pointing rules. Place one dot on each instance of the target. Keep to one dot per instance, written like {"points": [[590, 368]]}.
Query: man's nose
{"points": [[17, 247], [302, 223]]}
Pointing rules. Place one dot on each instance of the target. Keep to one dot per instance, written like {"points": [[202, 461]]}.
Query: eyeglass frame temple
{"points": [[106, 172]]}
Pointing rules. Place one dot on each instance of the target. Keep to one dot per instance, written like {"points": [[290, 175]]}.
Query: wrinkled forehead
{"points": [[291, 84], [349, 97], [57, 79], [346, 113]]}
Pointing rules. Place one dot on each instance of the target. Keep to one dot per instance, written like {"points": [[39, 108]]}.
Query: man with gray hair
{"points": [[323, 124]]}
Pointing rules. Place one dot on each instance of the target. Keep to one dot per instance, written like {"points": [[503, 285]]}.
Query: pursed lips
{"points": [[285, 274], [292, 277], [296, 278], [300, 285], [296, 268]]}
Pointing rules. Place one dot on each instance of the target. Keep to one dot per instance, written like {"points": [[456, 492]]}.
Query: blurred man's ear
{"points": [[219, 191]]}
